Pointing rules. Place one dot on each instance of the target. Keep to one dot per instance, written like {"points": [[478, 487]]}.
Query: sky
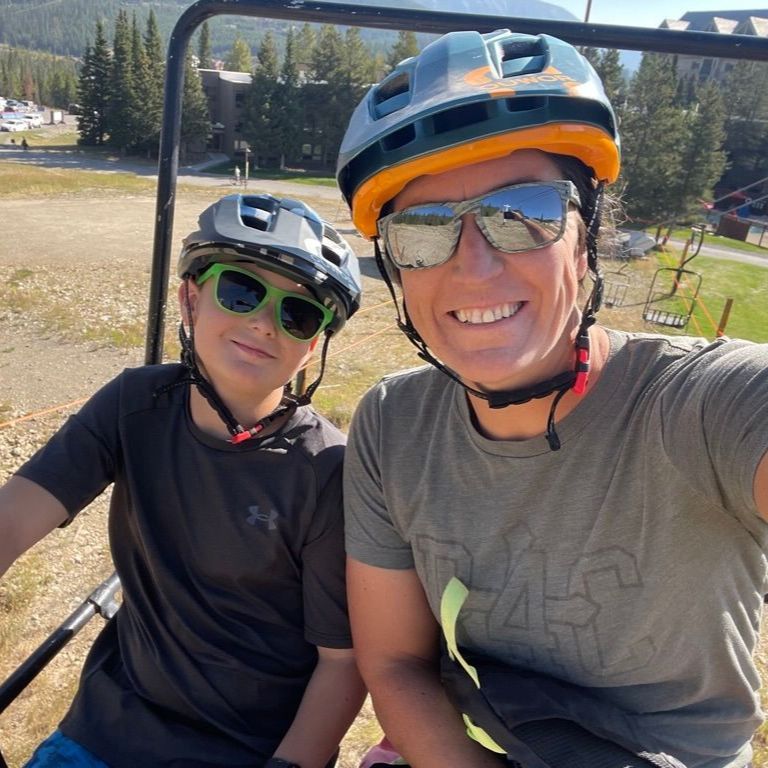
{"points": [[648, 13]]}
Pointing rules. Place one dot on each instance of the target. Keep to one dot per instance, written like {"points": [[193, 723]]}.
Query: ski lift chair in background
{"points": [[673, 308]]}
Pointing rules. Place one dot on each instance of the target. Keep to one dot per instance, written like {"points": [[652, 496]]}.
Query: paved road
{"points": [[721, 251], [49, 157]]}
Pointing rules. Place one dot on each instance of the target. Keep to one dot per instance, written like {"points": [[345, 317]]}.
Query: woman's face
{"points": [[498, 320]]}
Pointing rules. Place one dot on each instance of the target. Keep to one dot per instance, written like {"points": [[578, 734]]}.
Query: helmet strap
{"points": [[288, 403], [575, 379]]}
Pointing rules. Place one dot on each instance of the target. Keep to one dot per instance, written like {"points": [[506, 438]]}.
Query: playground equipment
{"points": [[734, 46], [673, 308]]}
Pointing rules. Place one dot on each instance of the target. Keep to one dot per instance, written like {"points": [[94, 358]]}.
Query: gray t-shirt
{"points": [[631, 562]]}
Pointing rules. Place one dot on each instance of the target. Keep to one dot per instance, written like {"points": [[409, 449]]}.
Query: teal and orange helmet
{"points": [[470, 97]]}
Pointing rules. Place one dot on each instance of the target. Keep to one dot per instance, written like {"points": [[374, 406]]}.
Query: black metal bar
{"points": [[577, 33], [101, 601]]}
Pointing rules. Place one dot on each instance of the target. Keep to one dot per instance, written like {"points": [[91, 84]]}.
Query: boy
{"points": [[232, 646]]}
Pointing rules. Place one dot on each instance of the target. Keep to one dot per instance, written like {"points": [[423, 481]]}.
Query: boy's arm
{"points": [[331, 701], [27, 513], [397, 645]]}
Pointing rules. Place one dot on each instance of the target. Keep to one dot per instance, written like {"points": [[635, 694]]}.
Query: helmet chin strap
{"points": [[239, 434], [575, 379]]}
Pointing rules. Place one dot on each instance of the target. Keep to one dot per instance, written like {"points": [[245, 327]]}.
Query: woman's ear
{"points": [[188, 297]]}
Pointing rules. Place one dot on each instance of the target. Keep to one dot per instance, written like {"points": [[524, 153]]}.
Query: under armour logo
{"points": [[256, 515]]}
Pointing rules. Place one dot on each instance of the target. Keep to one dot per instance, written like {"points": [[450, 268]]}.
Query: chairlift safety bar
{"points": [[377, 17]]}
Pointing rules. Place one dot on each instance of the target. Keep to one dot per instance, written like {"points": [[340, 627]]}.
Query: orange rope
{"points": [[35, 414]]}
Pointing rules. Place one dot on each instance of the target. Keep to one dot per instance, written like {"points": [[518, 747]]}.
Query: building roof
{"points": [[754, 25], [700, 20], [723, 26], [678, 24]]}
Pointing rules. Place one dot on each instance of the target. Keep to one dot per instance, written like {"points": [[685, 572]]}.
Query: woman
{"points": [[576, 510]]}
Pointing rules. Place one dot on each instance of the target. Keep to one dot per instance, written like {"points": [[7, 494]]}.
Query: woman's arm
{"points": [[331, 701], [761, 487], [397, 646]]}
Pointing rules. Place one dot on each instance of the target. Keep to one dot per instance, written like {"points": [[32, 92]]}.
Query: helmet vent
{"points": [[398, 138], [459, 117], [392, 94], [522, 57], [526, 103], [330, 255]]}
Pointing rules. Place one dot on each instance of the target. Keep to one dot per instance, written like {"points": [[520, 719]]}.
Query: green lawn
{"points": [[746, 284], [297, 175]]}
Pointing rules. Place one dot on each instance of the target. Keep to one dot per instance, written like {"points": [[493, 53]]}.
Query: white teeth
{"points": [[488, 315]]}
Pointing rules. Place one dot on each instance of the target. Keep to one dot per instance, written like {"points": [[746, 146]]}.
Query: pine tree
{"points": [[122, 90], [611, 72], [143, 123], [746, 105], [260, 121], [204, 54], [703, 158], [153, 94], [239, 57], [93, 91], [653, 137], [195, 119], [405, 47], [289, 113], [306, 40]]}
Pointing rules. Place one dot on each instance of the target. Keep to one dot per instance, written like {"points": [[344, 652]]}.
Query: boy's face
{"points": [[245, 357]]}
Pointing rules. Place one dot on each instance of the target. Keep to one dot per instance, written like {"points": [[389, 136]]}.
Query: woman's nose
{"points": [[475, 258]]}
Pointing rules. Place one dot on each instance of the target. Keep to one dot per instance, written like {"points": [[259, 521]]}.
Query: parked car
{"points": [[34, 119], [15, 124]]}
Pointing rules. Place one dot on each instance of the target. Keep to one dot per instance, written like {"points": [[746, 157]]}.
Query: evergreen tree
{"points": [[195, 119], [653, 137], [405, 47], [122, 88], [93, 91], [239, 57], [144, 127], [306, 41], [289, 113], [746, 105], [261, 124], [327, 55], [204, 54], [611, 72], [703, 158], [153, 94]]}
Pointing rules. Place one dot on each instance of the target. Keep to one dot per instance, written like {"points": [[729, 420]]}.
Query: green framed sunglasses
{"points": [[240, 292]]}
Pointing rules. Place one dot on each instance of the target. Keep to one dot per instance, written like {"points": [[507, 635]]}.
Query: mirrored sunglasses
{"points": [[520, 217], [243, 293]]}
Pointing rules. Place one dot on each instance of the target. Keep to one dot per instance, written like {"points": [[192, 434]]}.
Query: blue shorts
{"points": [[58, 751]]}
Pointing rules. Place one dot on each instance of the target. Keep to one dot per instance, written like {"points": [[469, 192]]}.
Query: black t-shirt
{"points": [[231, 560]]}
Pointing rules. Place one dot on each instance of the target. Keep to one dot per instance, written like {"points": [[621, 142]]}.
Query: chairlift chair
{"points": [[102, 599], [673, 308]]}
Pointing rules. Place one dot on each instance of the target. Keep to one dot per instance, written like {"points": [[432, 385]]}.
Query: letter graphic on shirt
{"points": [[531, 606]]}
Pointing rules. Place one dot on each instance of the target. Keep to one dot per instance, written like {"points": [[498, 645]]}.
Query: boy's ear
{"points": [[188, 284]]}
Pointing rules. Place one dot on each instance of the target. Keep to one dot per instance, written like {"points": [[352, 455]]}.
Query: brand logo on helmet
{"points": [[484, 77]]}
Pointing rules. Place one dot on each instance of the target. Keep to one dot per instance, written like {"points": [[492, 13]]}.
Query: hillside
{"points": [[66, 26]]}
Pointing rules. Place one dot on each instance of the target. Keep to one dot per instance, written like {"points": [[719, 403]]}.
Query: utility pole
{"points": [[245, 180], [586, 13]]}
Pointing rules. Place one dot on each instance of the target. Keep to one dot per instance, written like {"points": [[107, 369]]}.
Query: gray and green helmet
{"points": [[283, 235], [470, 97]]}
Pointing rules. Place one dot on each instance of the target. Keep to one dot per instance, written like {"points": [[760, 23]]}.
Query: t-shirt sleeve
{"points": [[371, 535], [326, 622], [79, 461], [716, 421]]}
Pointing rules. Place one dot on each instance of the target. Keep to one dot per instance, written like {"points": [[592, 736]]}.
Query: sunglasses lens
{"points": [[239, 293], [517, 218], [521, 218], [422, 236], [299, 318]]}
